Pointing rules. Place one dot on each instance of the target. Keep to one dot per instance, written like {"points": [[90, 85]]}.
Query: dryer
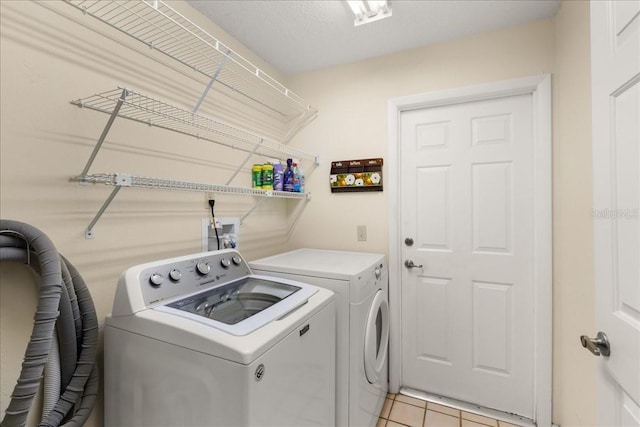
{"points": [[200, 340], [360, 281]]}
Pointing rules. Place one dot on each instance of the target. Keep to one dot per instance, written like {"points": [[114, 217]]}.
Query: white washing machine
{"points": [[201, 341], [360, 281]]}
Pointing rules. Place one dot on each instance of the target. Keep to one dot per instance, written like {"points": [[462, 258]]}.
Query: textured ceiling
{"points": [[303, 35]]}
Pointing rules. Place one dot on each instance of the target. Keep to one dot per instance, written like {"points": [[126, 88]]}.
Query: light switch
{"points": [[362, 233]]}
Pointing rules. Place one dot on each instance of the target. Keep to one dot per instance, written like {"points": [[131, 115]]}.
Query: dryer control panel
{"points": [[146, 285]]}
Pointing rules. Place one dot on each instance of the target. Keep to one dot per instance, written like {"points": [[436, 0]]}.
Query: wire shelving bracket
{"points": [[162, 28], [132, 105], [129, 104], [120, 180]]}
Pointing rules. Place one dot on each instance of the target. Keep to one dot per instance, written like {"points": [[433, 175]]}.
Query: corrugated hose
{"points": [[64, 339]]}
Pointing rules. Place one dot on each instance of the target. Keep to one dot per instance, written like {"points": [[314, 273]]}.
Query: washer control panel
{"points": [[175, 277]]}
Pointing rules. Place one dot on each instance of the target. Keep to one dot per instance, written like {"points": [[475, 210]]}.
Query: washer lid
{"points": [[242, 306], [376, 337], [324, 263]]}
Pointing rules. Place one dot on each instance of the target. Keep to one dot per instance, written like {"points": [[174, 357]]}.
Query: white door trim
{"points": [[540, 88]]}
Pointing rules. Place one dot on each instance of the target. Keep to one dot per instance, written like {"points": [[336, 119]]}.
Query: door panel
{"points": [[434, 231], [467, 201], [492, 207], [432, 310], [615, 54], [492, 318]]}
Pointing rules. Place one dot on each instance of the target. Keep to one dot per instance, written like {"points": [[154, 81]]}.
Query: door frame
{"points": [[540, 89]]}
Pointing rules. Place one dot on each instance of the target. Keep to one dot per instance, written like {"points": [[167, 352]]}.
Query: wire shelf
{"points": [[159, 26], [144, 109], [126, 180]]}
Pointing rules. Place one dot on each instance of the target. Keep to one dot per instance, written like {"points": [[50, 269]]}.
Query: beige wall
{"points": [[352, 123], [51, 54], [49, 57], [352, 100], [574, 382]]}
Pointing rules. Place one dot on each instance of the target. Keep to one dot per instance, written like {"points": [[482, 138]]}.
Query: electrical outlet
{"points": [[362, 233], [207, 197]]}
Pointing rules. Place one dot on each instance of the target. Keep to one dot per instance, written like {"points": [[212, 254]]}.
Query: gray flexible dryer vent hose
{"points": [[65, 308]]}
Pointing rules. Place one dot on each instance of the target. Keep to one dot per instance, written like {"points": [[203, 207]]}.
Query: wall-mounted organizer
{"points": [[162, 28], [348, 176]]}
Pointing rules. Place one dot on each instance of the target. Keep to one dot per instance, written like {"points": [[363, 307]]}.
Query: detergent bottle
{"points": [[278, 176], [287, 182]]}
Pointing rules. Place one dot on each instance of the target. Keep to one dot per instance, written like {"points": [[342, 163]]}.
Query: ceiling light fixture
{"points": [[366, 11]]}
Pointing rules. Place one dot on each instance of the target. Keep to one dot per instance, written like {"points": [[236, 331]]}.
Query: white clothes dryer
{"points": [[201, 341], [360, 281]]}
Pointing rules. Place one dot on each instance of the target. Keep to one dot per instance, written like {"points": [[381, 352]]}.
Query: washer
{"points": [[360, 281], [200, 340]]}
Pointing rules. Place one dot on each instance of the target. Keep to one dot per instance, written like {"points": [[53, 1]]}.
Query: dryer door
{"points": [[376, 337]]}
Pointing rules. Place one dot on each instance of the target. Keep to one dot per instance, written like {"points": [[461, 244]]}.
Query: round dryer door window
{"points": [[376, 337]]}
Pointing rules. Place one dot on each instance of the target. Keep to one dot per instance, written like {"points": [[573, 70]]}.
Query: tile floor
{"points": [[400, 410]]}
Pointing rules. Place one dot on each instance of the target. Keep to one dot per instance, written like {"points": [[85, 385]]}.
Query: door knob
{"points": [[408, 241], [409, 264], [598, 345]]}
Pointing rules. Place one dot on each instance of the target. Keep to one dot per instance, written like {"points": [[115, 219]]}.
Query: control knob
{"points": [[236, 260], [156, 280], [175, 275], [378, 273], [203, 268], [225, 263]]}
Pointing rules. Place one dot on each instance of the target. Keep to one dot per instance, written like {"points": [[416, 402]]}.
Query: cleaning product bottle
{"points": [[256, 173], [287, 182], [267, 176], [300, 178], [296, 178], [278, 175]]}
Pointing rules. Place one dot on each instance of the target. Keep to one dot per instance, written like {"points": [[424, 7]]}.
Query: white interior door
{"points": [[467, 223], [615, 55]]}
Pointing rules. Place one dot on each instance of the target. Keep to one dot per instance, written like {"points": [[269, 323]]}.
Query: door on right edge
{"points": [[615, 73], [467, 224]]}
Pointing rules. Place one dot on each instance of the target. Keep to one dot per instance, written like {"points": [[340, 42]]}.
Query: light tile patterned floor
{"points": [[401, 411]]}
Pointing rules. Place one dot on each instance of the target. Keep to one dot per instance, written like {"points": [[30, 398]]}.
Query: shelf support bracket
{"points": [[105, 131], [250, 211], [213, 79], [302, 122], [88, 234], [246, 159], [121, 180]]}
